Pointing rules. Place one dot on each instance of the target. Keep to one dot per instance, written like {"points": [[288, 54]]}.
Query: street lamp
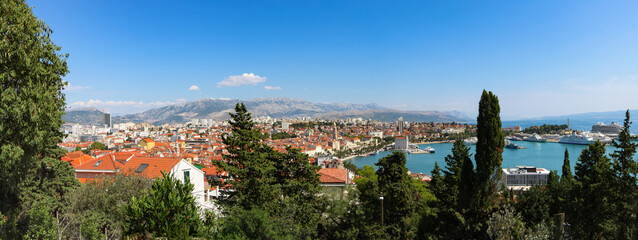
{"points": [[381, 198]]}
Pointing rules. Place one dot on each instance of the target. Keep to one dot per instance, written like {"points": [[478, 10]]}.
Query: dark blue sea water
{"points": [[543, 155]]}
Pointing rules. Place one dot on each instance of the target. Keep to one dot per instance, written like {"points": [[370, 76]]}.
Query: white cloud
{"points": [[71, 88], [224, 99], [194, 88], [239, 80], [272, 88]]}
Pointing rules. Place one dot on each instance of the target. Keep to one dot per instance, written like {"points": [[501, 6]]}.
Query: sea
{"points": [[547, 155]]}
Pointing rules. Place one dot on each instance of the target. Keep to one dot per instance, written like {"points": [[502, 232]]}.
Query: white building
{"points": [[401, 143], [523, 177], [378, 134], [400, 125], [149, 167]]}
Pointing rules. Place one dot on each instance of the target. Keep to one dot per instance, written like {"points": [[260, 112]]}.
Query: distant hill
{"points": [[218, 109], [84, 116]]}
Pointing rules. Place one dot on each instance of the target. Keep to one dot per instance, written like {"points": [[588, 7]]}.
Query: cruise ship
{"points": [[611, 129], [584, 138]]}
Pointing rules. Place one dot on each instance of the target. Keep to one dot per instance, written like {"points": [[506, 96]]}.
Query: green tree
{"points": [[363, 220], [255, 223], [507, 224], [31, 71], [298, 183], [566, 176], [98, 207], [49, 185], [454, 173], [168, 210], [466, 181], [98, 145], [534, 204], [284, 184], [42, 224], [489, 149], [626, 192], [437, 185], [248, 164], [451, 190], [594, 208], [399, 196]]}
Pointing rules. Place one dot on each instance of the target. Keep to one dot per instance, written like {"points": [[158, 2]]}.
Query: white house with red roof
{"points": [[335, 177], [149, 167]]}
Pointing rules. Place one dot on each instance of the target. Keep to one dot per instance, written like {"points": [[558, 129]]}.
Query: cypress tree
{"points": [[466, 185], [566, 176], [489, 149]]}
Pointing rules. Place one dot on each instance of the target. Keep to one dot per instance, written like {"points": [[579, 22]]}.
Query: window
{"points": [[187, 176], [97, 163], [141, 168]]}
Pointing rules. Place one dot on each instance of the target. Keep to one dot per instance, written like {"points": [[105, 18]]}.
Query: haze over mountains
{"points": [[218, 109]]}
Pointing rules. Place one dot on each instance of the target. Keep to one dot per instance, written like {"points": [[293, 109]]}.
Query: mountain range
{"points": [[218, 109]]}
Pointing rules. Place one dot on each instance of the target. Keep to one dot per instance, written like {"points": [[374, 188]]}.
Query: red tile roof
{"points": [[106, 162], [333, 175], [156, 165]]}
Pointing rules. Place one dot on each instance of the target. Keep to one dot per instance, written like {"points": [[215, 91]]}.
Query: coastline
{"points": [[434, 142], [418, 143]]}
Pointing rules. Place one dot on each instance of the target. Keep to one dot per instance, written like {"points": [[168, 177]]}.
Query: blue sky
{"points": [[540, 57]]}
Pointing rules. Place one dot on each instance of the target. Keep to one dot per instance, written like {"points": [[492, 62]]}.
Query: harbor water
{"points": [[546, 155]]}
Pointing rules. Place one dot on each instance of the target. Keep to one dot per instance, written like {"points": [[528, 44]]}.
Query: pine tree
{"points": [[626, 192], [593, 203], [436, 185], [168, 210], [247, 163], [285, 185], [454, 172], [489, 149], [399, 192]]}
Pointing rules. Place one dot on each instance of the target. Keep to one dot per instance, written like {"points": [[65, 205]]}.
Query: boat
{"points": [[429, 150], [583, 138], [471, 141], [601, 138], [535, 138], [611, 129], [512, 145]]}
